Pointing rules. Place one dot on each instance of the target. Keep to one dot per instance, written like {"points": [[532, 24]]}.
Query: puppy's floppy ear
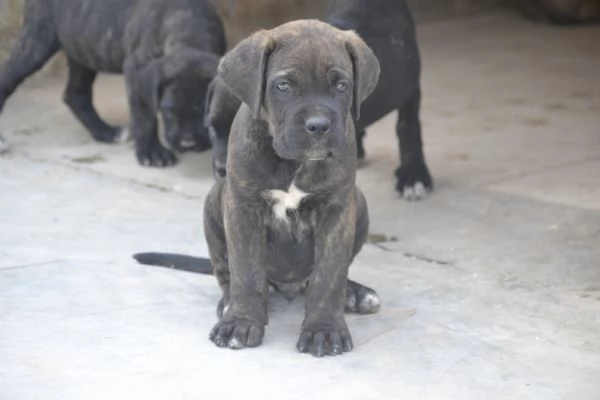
{"points": [[365, 68], [244, 67]]}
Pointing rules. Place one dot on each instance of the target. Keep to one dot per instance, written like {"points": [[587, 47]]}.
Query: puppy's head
{"points": [[303, 78], [175, 86]]}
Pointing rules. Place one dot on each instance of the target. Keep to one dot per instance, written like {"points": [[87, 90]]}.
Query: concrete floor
{"points": [[492, 290]]}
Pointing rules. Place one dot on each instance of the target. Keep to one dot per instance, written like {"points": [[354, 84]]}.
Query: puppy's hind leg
{"points": [[359, 298], [35, 45], [78, 96], [413, 178]]}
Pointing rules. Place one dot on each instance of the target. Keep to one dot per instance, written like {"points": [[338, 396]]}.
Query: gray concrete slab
{"points": [[492, 290]]}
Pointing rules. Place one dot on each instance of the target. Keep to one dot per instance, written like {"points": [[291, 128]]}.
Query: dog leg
{"points": [[219, 137], [413, 179], [243, 323], [359, 298], [144, 129], [360, 149], [35, 45], [78, 96], [324, 330]]}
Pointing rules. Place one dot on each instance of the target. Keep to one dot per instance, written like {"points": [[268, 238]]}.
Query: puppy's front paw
{"points": [[413, 181], [237, 333], [320, 341], [155, 156]]}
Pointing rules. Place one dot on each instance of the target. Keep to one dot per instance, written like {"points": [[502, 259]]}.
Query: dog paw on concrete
{"points": [[413, 182], [237, 333], [322, 340], [156, 156], [361, 299]]}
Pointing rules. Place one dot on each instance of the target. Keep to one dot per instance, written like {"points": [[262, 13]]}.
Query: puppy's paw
{"points": [[156, 156], [413, 181], [320, 341], [219, 169], [112, 135], [361, 299], [3, 146], [237, 333]]}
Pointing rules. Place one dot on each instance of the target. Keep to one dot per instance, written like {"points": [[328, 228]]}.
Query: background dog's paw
{"points": [[3, 146], [156, 156], [413, 182], [361, 299], [112, 135], [319, 342], [237, 333], [219, 169], [123, 135]]}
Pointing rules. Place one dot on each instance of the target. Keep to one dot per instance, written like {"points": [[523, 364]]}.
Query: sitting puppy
{"points": [[388, 29], [169, 51], [289, 213]]}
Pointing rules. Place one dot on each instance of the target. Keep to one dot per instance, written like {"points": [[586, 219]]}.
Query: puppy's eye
{"points": [[341, 87], [283, 87]]}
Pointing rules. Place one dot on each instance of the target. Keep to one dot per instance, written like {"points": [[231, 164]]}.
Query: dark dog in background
{"points": [[388, 28], [288, 214], [168, 50]]}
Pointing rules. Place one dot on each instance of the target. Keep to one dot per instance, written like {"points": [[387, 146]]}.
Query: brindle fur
{"points": [[168, 50], [271, 147]]}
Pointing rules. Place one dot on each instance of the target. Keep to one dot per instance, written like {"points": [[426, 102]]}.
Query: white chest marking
{"points": [[285, 201]]}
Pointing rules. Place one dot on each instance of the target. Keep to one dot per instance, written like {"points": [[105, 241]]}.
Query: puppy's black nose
{"points": [[317, 125]]}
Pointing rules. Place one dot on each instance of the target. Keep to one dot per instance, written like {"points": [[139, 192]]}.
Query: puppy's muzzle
{"points": [[317, 126]]}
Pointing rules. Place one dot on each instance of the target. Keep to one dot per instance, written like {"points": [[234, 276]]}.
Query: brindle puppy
{"points": [[289, 213], [168, 50]]}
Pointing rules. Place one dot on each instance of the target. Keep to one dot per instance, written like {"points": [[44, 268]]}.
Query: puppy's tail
{"points": [[176, 261]]}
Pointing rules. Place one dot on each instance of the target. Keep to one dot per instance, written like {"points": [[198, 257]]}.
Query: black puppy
{"points": [[389, 30], [168, 49], [289, 214]]}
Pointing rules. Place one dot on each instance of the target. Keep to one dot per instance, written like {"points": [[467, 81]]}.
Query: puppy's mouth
{"points": [[320, 155]]}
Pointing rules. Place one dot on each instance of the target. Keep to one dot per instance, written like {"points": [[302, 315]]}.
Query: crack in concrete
{"points": [[38, 264], [147, 185], [415, 256]]}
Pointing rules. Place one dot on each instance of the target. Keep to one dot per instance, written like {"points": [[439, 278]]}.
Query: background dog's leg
{"points": [[360, 149], [35, 45], [413, 179], [78, 96], [144, 129]]}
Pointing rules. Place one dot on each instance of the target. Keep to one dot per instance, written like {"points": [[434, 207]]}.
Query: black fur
{"points": [[168, 50]]}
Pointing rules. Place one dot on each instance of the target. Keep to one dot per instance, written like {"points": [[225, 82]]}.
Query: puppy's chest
{"points": [[290, 220], [289, 208]]}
